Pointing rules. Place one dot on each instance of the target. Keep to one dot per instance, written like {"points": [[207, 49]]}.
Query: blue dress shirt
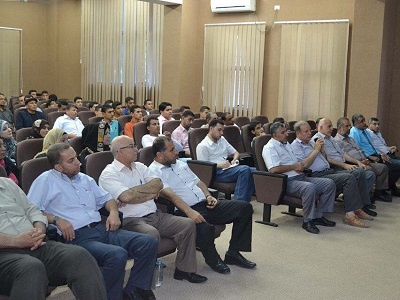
{"points": [[363, 140]]}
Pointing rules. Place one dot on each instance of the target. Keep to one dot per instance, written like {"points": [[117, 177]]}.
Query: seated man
{"points": [[148, 106], [136, 113], [183, 187], [165, 109], [350, 147], [78, 101], [256, 130], [280, 158], [71, 201], [153, 126], [313, 156], [29, 263], [118, 110], [62, 105], [129, 101], [108, 117], [5, 112], [209, 117], [359, 133], [70, 122], [181, 133], [183, 108], [216, 149], [379, 144], [27, 116], [130, 182], [204, 110]]}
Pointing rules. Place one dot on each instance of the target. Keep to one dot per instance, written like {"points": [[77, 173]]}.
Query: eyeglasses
{"points": [[129, 146]]}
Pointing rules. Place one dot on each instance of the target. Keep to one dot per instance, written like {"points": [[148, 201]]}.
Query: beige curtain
{"points": [[121, 50], [313, 70], [10, 61], [233, 67]]}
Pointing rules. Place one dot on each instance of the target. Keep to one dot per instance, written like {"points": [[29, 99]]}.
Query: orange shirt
{"points": [[128, 128]]}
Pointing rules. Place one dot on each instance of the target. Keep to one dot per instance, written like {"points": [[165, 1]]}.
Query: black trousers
{"points": [[238, 212]]}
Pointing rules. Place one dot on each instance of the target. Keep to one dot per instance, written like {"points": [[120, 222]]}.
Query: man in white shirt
{"points": [[188, 188], [165, 109], [181, 133], [280, 158], [132, 184], [70, 122], [215, 148]]}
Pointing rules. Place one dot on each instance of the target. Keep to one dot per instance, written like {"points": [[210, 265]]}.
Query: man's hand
{"points": [[319, 144], [299, 167], [361, 165], [393, 149], [349, 167], [32, 239], [66, 228], [366, 162], [195, 216], [223, 165], [385, 157], [113, 222], [211, 202]]}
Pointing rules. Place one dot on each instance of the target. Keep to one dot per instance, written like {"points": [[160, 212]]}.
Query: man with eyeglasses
{"points": [[71, 201], [131, 183]]}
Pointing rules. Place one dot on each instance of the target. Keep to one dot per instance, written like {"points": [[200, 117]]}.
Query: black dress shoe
{"points": [[310, 227], [221, 267], [191, 277], [369, 212], [383, 198], [395, 192], [324, 222], [239, 260], [370, 206], [139, 294]]}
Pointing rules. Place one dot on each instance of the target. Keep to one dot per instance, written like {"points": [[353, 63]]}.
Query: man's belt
{"points": [[91, 225], [323, 172]]}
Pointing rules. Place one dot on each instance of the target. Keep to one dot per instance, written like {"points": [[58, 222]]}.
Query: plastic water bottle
{"points": [[159, 279]]}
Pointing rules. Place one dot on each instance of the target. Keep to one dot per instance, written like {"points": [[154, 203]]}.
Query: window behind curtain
{"points": [[10, 61], [233, 67], [121, 50], [313, 70]]}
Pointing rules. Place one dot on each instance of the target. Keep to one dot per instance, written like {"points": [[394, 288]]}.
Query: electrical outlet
{"points": [[277, 7]]}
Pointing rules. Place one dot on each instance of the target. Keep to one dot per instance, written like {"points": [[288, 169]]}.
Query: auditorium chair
{"points": [[52, 117], [150, 115], [197, 123], [85, 115], [176, 116], [312, 124], [22, 134], [247, 138], [139, 130], [27, 149], [260, 119], [122, 120], [170, 125], [241, 121], [94, 120], [48, 110], [266, 128]]}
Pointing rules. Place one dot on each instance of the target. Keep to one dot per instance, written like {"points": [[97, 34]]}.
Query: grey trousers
{"points": [[25, 274], [382, 175], [309, 189], [163, 225]]}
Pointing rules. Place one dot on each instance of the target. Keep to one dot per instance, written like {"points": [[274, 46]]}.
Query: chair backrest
{"points": [[76, 143], [3, 172], [266, 128], [291, 125], [96, 163], [52, 117], [196, 135], [291, 136], [94, 120], [145, 156], [139, 130], [17, 111], [170, 125], [23, 134], [85, 115], [247, 137], [197, 123], [176, 116], [259, 143], [312, 124], [197, 115], [42, 106], [31, 169], [27, 149], [122, 120], [241, 121], [176, 110], [83, 108], [154, 112], [232, 135], [48, 110], [260, 119], [219, 113], [150, 115], [334, 131], [18, 105]]}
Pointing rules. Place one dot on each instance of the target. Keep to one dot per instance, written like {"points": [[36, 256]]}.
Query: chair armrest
{"points": [[205, 170], [270, 188]]}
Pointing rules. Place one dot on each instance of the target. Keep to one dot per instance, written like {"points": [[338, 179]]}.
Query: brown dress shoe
{"points": [[362, 214], [355, 221]]}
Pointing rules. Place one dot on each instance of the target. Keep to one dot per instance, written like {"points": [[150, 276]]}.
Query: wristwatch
{"points": [[55, 219]]}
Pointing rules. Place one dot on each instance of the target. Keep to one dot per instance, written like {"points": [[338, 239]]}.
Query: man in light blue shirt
{"points": [[71, 201], [363, 139], [280, 158]]}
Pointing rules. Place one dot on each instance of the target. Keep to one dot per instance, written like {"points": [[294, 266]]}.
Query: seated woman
{"points": [[54, 136], [11, 169], [95, 138], [9, 142], [40, 128]]}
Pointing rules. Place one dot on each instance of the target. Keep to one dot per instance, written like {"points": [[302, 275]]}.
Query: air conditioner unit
{"points": [[227, 6]]}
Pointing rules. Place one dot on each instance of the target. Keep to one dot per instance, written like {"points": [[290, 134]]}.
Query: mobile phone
{"points": [[315, 140]]}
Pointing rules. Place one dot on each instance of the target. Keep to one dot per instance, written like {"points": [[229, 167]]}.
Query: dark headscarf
{"points": [[37, 126], [10, 144]]}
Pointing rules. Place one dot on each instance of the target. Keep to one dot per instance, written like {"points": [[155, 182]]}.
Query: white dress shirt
{"points": [[70, 126], [276, 154], [116, 178], [217, 152]]}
